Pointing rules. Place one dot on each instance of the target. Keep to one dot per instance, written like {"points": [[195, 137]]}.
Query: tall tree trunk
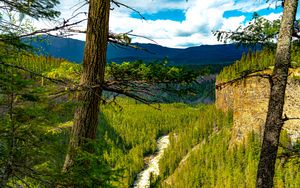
{"points": [[87, 112], [274, 121]]}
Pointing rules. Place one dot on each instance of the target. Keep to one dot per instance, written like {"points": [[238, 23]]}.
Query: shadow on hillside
{"points": [[108, 134]]}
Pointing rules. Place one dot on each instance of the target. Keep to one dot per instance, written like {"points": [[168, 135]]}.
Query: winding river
{"points": [[143, 178]]}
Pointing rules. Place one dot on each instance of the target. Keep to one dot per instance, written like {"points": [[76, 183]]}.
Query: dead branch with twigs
{"points": [[140, 89]]}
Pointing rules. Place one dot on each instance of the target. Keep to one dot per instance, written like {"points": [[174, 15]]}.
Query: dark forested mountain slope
{"points": [[72, 50]]}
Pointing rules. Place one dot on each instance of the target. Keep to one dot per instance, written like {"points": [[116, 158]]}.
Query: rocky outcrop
{"points": [[248, 100]]}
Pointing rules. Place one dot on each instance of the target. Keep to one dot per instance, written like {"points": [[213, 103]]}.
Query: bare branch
{"points": [[43, 31], [286, 118], [123, 92], [35, 73], [135, 35], [251, 75], [118, 4]]}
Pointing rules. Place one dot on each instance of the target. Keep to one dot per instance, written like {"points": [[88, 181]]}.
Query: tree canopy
{"points": [[13, 21], [259, 31]]}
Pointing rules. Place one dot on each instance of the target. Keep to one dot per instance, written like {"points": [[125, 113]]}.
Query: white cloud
{"points": [[273, 16], [230, 24], [201, 17]]}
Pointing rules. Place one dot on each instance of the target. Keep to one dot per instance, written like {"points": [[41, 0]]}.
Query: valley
{"points": [[129, 132]]}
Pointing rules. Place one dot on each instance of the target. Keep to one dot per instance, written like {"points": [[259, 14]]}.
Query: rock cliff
{"points": [[248, 100]]}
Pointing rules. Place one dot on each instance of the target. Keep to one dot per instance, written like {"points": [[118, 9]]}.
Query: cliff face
{"points": [[248, 99]]}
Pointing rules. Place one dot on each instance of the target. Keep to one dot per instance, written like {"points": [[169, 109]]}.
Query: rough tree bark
{"points": [[274, 121], [87, 112]]}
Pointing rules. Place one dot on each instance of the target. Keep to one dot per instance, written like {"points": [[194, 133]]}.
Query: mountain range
{"points": [[72, 50]]}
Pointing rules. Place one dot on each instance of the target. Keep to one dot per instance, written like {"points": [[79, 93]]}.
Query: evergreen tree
{"points": [[13, 23]]}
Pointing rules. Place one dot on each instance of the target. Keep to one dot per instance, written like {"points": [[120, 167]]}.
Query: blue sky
{"points": [[177, 23]]}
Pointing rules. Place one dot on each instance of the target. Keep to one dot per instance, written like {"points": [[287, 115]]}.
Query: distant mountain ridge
{"points": [[72, 50]]}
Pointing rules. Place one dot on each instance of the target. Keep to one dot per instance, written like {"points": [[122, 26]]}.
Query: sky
{"points": [[177, 23]]}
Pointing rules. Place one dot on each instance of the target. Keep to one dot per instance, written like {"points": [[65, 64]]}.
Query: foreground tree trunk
{"points": [[87, 112], [274, 121]]}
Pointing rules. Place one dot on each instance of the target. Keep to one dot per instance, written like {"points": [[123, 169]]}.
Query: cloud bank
{"points": [[199, 19]]}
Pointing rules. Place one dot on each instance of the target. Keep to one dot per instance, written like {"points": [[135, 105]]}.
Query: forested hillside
{"points": [[254, 62], [212, 163], [72, 50], [37, 112]]}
